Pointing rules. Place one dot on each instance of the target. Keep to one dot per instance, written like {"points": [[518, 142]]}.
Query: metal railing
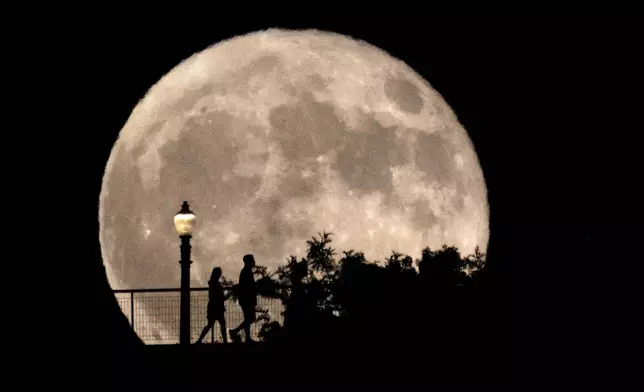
{"points": [[154, 314]]}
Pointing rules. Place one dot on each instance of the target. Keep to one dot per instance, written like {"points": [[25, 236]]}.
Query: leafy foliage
{"points": [[319, 292]]}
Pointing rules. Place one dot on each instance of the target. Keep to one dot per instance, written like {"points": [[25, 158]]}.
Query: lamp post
{"points": [[184, 223]]}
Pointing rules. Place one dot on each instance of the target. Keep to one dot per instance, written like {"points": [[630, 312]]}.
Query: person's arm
{"points": [[234, 291]]}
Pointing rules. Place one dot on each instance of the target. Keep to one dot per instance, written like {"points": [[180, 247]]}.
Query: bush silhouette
{"points": [[355, 299]]}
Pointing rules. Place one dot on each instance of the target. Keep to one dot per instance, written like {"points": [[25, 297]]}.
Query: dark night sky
{"points": [[548, 103], [541, 101]]}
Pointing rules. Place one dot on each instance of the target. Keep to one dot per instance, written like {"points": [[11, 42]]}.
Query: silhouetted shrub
{"points": [[358, 299]]}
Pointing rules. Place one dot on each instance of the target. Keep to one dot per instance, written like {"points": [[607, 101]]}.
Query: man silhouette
{"points": [[247, 296]]}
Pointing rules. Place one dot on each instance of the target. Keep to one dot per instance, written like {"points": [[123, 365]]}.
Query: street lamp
{"points": [[184, 223]]}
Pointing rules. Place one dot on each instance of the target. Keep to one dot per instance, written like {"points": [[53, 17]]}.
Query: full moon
{"points": [[275, 136]]}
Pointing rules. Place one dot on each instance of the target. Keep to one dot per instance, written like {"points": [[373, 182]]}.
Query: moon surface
{"points": [[277, 135]]}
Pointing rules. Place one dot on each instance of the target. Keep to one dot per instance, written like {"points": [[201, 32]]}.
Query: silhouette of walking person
{"points": [[216, 308], [247, 296]]}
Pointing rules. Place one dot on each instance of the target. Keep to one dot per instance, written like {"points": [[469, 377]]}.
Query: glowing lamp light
{"points": [[184, 221]]}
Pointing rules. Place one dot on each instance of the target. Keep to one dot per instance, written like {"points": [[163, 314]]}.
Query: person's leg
{"points": [[247, 331], [243, 323], [222, 326], [234, 333], [205, 331], [249, 318]]}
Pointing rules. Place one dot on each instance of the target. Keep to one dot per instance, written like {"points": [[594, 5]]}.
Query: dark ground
{"points": [[473, 355], [205, 367]]}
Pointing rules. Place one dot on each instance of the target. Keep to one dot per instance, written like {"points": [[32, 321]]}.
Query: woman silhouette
{"points": [[216, 308]]}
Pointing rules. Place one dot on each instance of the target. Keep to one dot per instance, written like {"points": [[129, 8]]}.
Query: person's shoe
{"points": [[234, 336]]}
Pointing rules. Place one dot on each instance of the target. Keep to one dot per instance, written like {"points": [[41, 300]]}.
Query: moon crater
{"points": [[404, 94]]}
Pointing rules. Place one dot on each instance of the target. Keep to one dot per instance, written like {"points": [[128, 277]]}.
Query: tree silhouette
{"points": [[398, 262], [322, 266], [475, 268], [443, 268], [357, 299]]}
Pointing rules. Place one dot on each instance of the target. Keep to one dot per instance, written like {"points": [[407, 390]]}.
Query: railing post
{"points": [[132, 309]]}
